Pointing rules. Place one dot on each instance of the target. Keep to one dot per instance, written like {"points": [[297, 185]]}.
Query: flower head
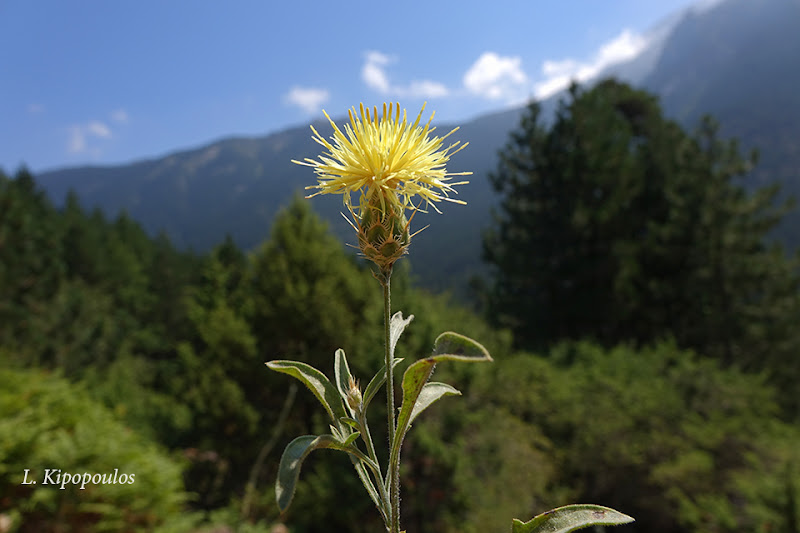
{"points": [[390, 162], [384, 157]]}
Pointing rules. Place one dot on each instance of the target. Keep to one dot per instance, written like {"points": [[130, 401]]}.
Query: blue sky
{"points": [[104, 82]]}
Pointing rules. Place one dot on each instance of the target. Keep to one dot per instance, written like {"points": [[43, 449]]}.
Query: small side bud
{"points": [[354, 399]]}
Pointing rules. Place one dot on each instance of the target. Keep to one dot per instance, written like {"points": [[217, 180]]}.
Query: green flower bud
{"points": [[383, 234]]}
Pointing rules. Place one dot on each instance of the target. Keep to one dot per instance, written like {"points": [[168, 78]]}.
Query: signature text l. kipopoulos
{"points": [[54, 476]]}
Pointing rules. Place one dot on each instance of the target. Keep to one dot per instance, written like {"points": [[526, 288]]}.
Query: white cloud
{"points": [[625, 46], [559, 74], [77, 140], [374, 74], [87, 138], [80, 135], [497, 77], [120, 115], [427, 89], [35, 108], [309, 99], [98, 129]]}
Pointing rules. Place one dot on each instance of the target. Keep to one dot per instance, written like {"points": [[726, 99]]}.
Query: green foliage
{"points": [[616, 226], [172, 345], [480, 462], [434, 313], [71, 330], [46, 422], [30, 268], [130, 386], [674, 439], [301, 281]]}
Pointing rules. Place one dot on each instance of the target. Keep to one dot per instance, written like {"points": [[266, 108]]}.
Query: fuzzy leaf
{"points": [[459, 347], [396, 328], [341, 373], [414, 380], [291, 462], [316, 381], [430, 393], [570, 518], [297, 451]]}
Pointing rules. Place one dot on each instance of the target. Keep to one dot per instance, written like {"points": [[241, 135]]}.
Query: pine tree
{"points": [[616, 225], [309, 296], [31, 269]]}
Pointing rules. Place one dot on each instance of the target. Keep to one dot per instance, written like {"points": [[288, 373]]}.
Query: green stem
{"points": [[387, 320], [394, 466], [365, 434]]}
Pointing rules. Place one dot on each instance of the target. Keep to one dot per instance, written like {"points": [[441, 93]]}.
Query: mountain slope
{"points": [[740, 62], [236, 186]]}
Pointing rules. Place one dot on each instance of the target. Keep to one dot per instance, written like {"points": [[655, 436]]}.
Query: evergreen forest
{"points": [[642, 319]]}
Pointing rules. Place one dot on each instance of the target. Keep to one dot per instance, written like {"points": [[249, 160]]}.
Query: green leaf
{"points": [[352, 422], [456, 347], [291, 462], [414, 380], [351, 438], [430, 393], [570, 518], [448, 346], [316, 381], [396, 328], [341, 373], [297, 451], [376, 383]]}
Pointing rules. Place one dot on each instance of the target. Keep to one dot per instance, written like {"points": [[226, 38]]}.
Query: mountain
{"points": [[237, 186], [738, 60]]}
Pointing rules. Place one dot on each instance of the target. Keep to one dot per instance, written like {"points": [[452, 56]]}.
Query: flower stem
{"points": [[394, 469], [387, 320]]}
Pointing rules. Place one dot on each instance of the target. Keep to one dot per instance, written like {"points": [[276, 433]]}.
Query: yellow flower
{"points": [[386, 158], [389, 162]]}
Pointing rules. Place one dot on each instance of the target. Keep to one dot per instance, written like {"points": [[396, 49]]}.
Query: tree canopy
{"points": [[617, 225]]}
